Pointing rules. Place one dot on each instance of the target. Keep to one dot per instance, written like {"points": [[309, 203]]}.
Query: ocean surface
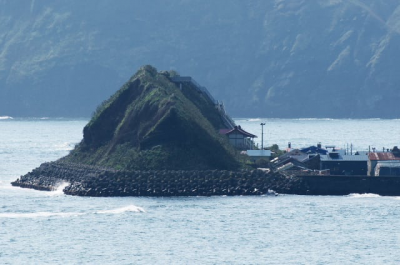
{"points": [[39, 227]]}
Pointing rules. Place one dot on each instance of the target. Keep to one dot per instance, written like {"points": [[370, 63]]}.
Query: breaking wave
{"points": [[64, 146], [6, 118], [60, 189], [364, 195], [129, 208], [315, 119]]}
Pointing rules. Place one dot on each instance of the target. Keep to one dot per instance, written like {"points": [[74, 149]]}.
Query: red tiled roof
{"points": [[381, 156], [237, 129]]}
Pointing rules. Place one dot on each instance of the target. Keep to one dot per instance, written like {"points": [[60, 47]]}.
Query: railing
{"points": [[228, 122]]}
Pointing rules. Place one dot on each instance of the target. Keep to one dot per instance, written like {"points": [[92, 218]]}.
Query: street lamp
{"points": [[262, 135]]}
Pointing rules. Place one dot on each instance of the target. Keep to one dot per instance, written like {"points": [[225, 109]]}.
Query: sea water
{"points": [[39, 227], [360, 134]]}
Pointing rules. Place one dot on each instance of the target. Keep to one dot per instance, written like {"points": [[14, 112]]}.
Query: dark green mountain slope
{"points": [[275, 58], [151, 124]]}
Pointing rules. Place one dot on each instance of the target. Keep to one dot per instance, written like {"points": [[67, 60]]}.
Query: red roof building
{"points": [[381, 156], [239, 138], [375, 157]]}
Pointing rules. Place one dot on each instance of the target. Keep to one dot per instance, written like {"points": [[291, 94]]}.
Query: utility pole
{"points": [[262, 135]]}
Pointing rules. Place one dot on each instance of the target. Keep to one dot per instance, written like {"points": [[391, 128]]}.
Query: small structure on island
{"points": [[340, 163], [311, 151], [387, 168], [239, 138], [294, 158], [255, 155], [383, 163], [314, 150], [295, 154]]}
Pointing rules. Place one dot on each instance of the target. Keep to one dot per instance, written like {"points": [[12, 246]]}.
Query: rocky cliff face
{"points": [[151, 123], [322, 58]]}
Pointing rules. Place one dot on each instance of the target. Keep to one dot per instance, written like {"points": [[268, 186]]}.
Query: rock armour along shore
{"points": [[96, 181], [84, 180]]}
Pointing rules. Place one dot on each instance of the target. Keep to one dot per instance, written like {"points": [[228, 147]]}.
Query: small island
{"points": [[162, 134], [159, 135]]}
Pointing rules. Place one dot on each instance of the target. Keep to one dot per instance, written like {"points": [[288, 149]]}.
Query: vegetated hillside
{"points": [[151, 124], [282, 58]]}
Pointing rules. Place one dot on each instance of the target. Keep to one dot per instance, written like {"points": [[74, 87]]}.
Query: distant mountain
{"points": [[282, 58]]}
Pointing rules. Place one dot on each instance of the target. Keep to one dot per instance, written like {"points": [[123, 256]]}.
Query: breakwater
{"points": [[344, 185], [94, 181], [84, 180]]}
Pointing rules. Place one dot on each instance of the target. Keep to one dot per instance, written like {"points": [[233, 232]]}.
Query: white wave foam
{"points": [[44, 118], [129, 208], [257, 119], [364, 195], [6, 118], [315, 119], [60, 189], [64, 146], [37, 215]]}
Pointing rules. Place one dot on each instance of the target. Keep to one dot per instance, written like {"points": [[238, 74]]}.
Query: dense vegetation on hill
{"points": [[278, 58], [151, 124]]}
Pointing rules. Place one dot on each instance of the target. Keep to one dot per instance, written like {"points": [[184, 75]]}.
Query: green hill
{"points": [[150, 123]]}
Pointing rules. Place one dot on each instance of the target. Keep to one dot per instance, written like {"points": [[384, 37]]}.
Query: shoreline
{"points": [[93, 181], [100, 182]]}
